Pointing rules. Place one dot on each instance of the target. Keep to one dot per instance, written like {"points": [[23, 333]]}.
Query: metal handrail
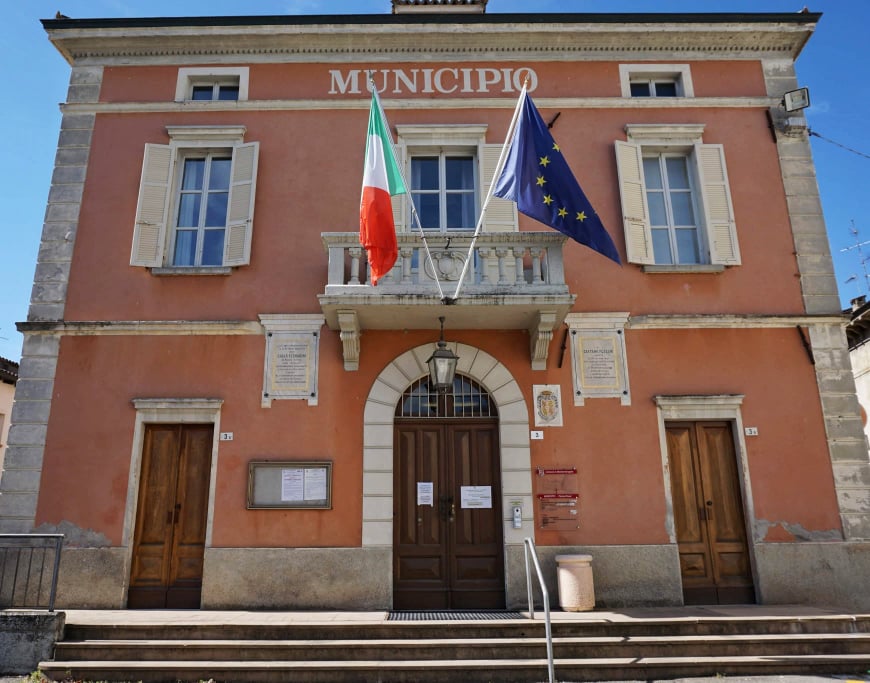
{"points": [[529, 546], [28, 542]]}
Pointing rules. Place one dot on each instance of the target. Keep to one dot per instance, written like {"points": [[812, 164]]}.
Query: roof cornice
{"points": [[495, 36]]}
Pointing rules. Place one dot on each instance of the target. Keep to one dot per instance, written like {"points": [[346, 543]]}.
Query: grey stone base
{"points": [[298, 578], [825, 574], [623, 575], [92, 578], [822, 574], [27, 638]]}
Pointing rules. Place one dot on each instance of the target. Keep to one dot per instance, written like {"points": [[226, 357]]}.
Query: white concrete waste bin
{"points": [[574, 576]]}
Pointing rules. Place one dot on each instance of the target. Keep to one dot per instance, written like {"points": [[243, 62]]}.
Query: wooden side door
{"points": [[169, 536], [708, 514], [446, 556]]}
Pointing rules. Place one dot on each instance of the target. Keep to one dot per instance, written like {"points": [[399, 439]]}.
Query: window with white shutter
{"points": [[196, 201], [676, 202]]}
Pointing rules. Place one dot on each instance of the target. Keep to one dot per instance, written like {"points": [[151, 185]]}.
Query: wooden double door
{"points": [[448, 550], [172, 509], [708, 514]]}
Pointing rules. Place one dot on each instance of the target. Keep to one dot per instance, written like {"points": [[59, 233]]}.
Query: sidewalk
{"points": [[242, 617]]}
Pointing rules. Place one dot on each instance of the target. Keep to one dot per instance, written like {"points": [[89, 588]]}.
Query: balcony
{"points": [[515, 280]]}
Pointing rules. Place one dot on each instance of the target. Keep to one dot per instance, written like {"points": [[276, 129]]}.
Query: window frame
{"points": [[154, 234], [717, 230], [442, 154], [178, 192], [188, 77], [671, 225], [679, 74]]}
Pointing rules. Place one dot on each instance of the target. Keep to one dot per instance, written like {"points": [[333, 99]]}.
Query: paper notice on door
{"points": [[424, 493], [476, 496]]}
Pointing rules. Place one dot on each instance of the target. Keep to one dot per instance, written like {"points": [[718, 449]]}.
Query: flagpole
{"points": [[414, 215], [499, 167]]}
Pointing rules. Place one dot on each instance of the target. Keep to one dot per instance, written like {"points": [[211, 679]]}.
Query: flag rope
{"points": [[499, 167], [414, 215]]}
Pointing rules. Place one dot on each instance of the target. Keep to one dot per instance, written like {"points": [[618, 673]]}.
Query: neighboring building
{"points": [[8, 378], [218, 409], [857, 334]]}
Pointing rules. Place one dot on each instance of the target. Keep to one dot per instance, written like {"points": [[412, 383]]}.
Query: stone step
{"points": [[464, 648], [468, 671], [512, 628]]}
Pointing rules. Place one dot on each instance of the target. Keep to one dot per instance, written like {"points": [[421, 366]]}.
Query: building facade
{"points": [[218, 409], [859, 353]]}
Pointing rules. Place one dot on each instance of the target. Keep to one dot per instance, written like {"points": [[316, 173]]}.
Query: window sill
{"points": [[685, 268], [192, 270]]}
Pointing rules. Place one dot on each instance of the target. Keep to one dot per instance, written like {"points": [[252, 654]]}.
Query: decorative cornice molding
{"points": [[495, 36], [145, 327], [737, 321]]}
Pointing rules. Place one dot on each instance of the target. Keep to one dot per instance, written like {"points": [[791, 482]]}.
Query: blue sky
{"points": [[833, 66]]}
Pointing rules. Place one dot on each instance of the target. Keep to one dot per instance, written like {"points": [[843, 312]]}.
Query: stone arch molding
{"points": [[378, 423]]}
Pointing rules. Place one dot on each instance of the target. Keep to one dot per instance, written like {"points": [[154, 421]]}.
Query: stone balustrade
{"points": [[520, 263]]}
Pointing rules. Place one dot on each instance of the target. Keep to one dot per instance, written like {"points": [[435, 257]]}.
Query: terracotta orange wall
{"points": [[310, 174], [726, 78], [616, 448]]}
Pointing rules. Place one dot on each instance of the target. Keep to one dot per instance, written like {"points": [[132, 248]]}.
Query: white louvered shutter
{"points": [[149, 231], [400, 207], [638, 238], [718, 209], [240, 212], [501, 214]]}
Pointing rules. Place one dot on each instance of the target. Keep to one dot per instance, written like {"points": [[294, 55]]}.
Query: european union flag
{"points": [[537, 177]]}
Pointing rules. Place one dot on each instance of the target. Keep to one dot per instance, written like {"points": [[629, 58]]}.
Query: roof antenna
{"points": [[861, 258]]}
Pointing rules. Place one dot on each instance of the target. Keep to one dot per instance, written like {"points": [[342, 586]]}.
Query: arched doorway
{"points": [[448, 550], [379, 440]]}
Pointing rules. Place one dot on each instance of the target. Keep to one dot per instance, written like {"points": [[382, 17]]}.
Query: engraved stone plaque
{"points": [[292, 345]]}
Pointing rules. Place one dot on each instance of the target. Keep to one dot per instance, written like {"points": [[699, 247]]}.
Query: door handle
{"points": [[706, 513], [447, 508], [175, 514]]}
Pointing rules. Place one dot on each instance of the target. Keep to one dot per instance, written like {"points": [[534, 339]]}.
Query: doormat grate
{"points": [[437, 615]]}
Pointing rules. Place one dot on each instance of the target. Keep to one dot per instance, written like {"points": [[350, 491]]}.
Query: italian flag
{"points": [[381, 180]]}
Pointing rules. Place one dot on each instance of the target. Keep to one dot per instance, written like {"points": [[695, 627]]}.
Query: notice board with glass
{"points": [[290, 484]]}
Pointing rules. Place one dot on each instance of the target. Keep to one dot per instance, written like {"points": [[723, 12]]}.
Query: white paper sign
{"points": [[292, 485], [476, 496], [424, 493], [303, 484], [315, 483]]}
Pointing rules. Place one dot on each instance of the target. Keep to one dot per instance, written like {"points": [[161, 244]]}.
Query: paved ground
{"points": [[690, 613], [720, 679]]}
